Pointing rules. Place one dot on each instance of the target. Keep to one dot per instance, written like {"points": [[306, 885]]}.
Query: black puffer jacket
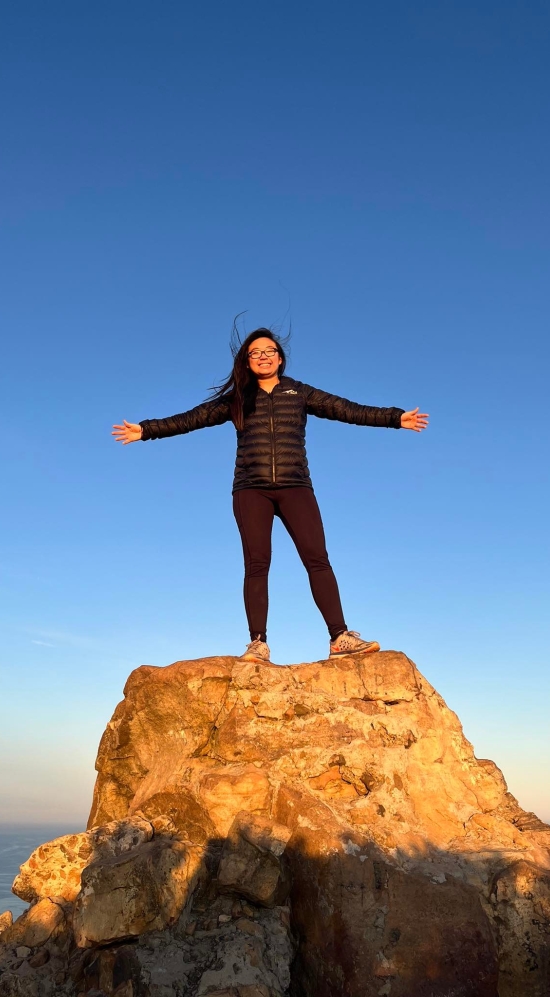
{"points": [[271, 451]]}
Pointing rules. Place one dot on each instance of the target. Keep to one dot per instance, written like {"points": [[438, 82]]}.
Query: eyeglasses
{"points": [[256, 354]]}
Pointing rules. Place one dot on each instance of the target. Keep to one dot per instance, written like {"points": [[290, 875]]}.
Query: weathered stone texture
{"points": [[123, 896], [322, 829], [55, 869], [252, 861]]}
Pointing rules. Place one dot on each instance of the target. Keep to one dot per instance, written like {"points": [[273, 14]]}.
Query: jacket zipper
{"points": [[273, 472]]}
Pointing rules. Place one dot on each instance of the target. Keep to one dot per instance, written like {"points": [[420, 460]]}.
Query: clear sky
{"points": [[377, 172]]}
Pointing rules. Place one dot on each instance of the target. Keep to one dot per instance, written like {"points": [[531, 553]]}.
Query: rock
{"points": [[12, 985], [345, 788], [22, 951], [365, 765], [124, 990], [257, 955], [251, 862], [6, 920], [39, 959], [36, 925], [24, 970], [225, 793], [256, 990], [178, 724], [521, 896], [145, 889], [188, 818], [393, 925], [249, 927], [54, 869], [107, 969]]}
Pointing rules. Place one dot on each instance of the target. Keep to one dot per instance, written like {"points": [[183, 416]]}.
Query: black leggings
{"points": [[297, 508]]}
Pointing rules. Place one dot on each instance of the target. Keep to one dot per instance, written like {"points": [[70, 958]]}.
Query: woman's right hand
{"points": [[128, 433]]}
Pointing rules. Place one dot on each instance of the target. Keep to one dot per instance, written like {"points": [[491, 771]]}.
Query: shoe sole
{"points": [[252, 657], [366, 650]]}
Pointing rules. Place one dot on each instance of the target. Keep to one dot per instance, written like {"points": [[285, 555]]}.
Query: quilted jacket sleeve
{"points": [[326, 406], [210, 413]]}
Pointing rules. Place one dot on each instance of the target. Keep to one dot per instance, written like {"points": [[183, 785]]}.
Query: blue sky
{"points": [[379, 172]]}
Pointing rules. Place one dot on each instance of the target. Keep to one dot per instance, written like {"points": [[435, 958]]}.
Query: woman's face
{"points": [[260, 364]]}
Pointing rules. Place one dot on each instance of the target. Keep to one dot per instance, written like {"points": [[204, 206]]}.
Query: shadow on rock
{"points": [[319, 830]]}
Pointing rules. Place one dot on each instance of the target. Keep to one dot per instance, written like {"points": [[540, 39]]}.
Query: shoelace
{"points": [[348, 633]]}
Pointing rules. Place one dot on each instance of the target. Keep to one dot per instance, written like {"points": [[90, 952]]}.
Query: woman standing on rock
{"points": [[269, 412]]}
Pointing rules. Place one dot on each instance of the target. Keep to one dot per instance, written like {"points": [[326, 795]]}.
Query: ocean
{"points": [[17, 841]]}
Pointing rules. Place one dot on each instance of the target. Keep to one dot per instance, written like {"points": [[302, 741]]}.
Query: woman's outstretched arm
{"points": [[210, 413], [327, 406]]}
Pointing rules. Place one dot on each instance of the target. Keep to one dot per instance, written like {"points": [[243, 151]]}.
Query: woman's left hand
{"points": [[414, 420]]}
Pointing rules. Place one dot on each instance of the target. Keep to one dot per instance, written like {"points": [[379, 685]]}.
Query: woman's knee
{"points": [[315, 560], [257, 566]]}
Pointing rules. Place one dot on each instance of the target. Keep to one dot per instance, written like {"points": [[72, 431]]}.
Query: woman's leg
{"points": [[300, 514], [254, 511]]}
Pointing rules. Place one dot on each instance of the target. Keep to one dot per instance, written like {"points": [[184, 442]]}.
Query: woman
{"points": [[269, 412]]}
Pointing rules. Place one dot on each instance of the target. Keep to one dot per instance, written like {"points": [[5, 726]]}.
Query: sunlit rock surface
{"points": [[316, 830]]}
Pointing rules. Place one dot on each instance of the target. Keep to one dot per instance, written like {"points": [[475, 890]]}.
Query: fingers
{"points": [[128, 433], [416, 420], [413, 420], [123, 436]]}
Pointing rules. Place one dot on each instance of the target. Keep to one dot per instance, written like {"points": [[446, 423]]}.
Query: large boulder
{"points": [[252, 862], [123, 896], [323, 829], [55, 868], [397, 830], [367, 920], [36, 925], [521, 898]]}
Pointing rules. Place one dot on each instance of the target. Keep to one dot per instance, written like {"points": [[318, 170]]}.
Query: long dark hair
{"points": [[241, 387]]}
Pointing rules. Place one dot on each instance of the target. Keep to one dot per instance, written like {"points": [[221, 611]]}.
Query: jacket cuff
{"points": [[145, 432], [397, 418]]}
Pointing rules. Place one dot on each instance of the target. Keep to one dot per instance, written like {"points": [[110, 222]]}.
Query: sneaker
{"points": [[350, 643], [257, 650]]}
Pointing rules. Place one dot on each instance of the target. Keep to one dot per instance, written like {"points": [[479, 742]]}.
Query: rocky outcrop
{"points": [[260, 831], [55, 869]]}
